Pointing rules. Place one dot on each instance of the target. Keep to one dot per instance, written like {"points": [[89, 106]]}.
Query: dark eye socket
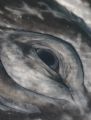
{"points": [[49, 58]]}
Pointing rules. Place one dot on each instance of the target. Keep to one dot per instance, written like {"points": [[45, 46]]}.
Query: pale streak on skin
{"points": [[24, 9], [77, 7]]}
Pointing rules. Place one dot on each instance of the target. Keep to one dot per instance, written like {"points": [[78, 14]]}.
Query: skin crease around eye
{"points": [[29, 88]]}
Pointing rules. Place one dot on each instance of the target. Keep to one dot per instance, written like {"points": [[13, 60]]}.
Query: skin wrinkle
{"points": [[3, 53], [74, 48]]}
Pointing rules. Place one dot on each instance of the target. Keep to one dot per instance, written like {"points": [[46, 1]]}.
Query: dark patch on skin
{"points": [[25, 47]]}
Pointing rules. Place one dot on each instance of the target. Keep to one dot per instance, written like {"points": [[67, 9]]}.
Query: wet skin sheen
{"points": [[45, 60]]}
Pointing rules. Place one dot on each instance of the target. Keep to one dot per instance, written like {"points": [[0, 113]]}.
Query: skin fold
{"points": [[45, 60]]}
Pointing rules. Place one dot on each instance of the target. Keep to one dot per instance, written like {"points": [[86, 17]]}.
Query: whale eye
{"points": [[49, 58], [28, 64]]}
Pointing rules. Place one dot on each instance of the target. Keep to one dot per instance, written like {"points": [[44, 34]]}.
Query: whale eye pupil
{"points": [[48, 57]]}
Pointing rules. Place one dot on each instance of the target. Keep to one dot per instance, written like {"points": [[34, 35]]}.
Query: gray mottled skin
{"points": [[30, 89]]}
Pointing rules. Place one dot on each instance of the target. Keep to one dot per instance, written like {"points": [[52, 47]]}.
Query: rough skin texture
{"points": [[30, 87]]}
